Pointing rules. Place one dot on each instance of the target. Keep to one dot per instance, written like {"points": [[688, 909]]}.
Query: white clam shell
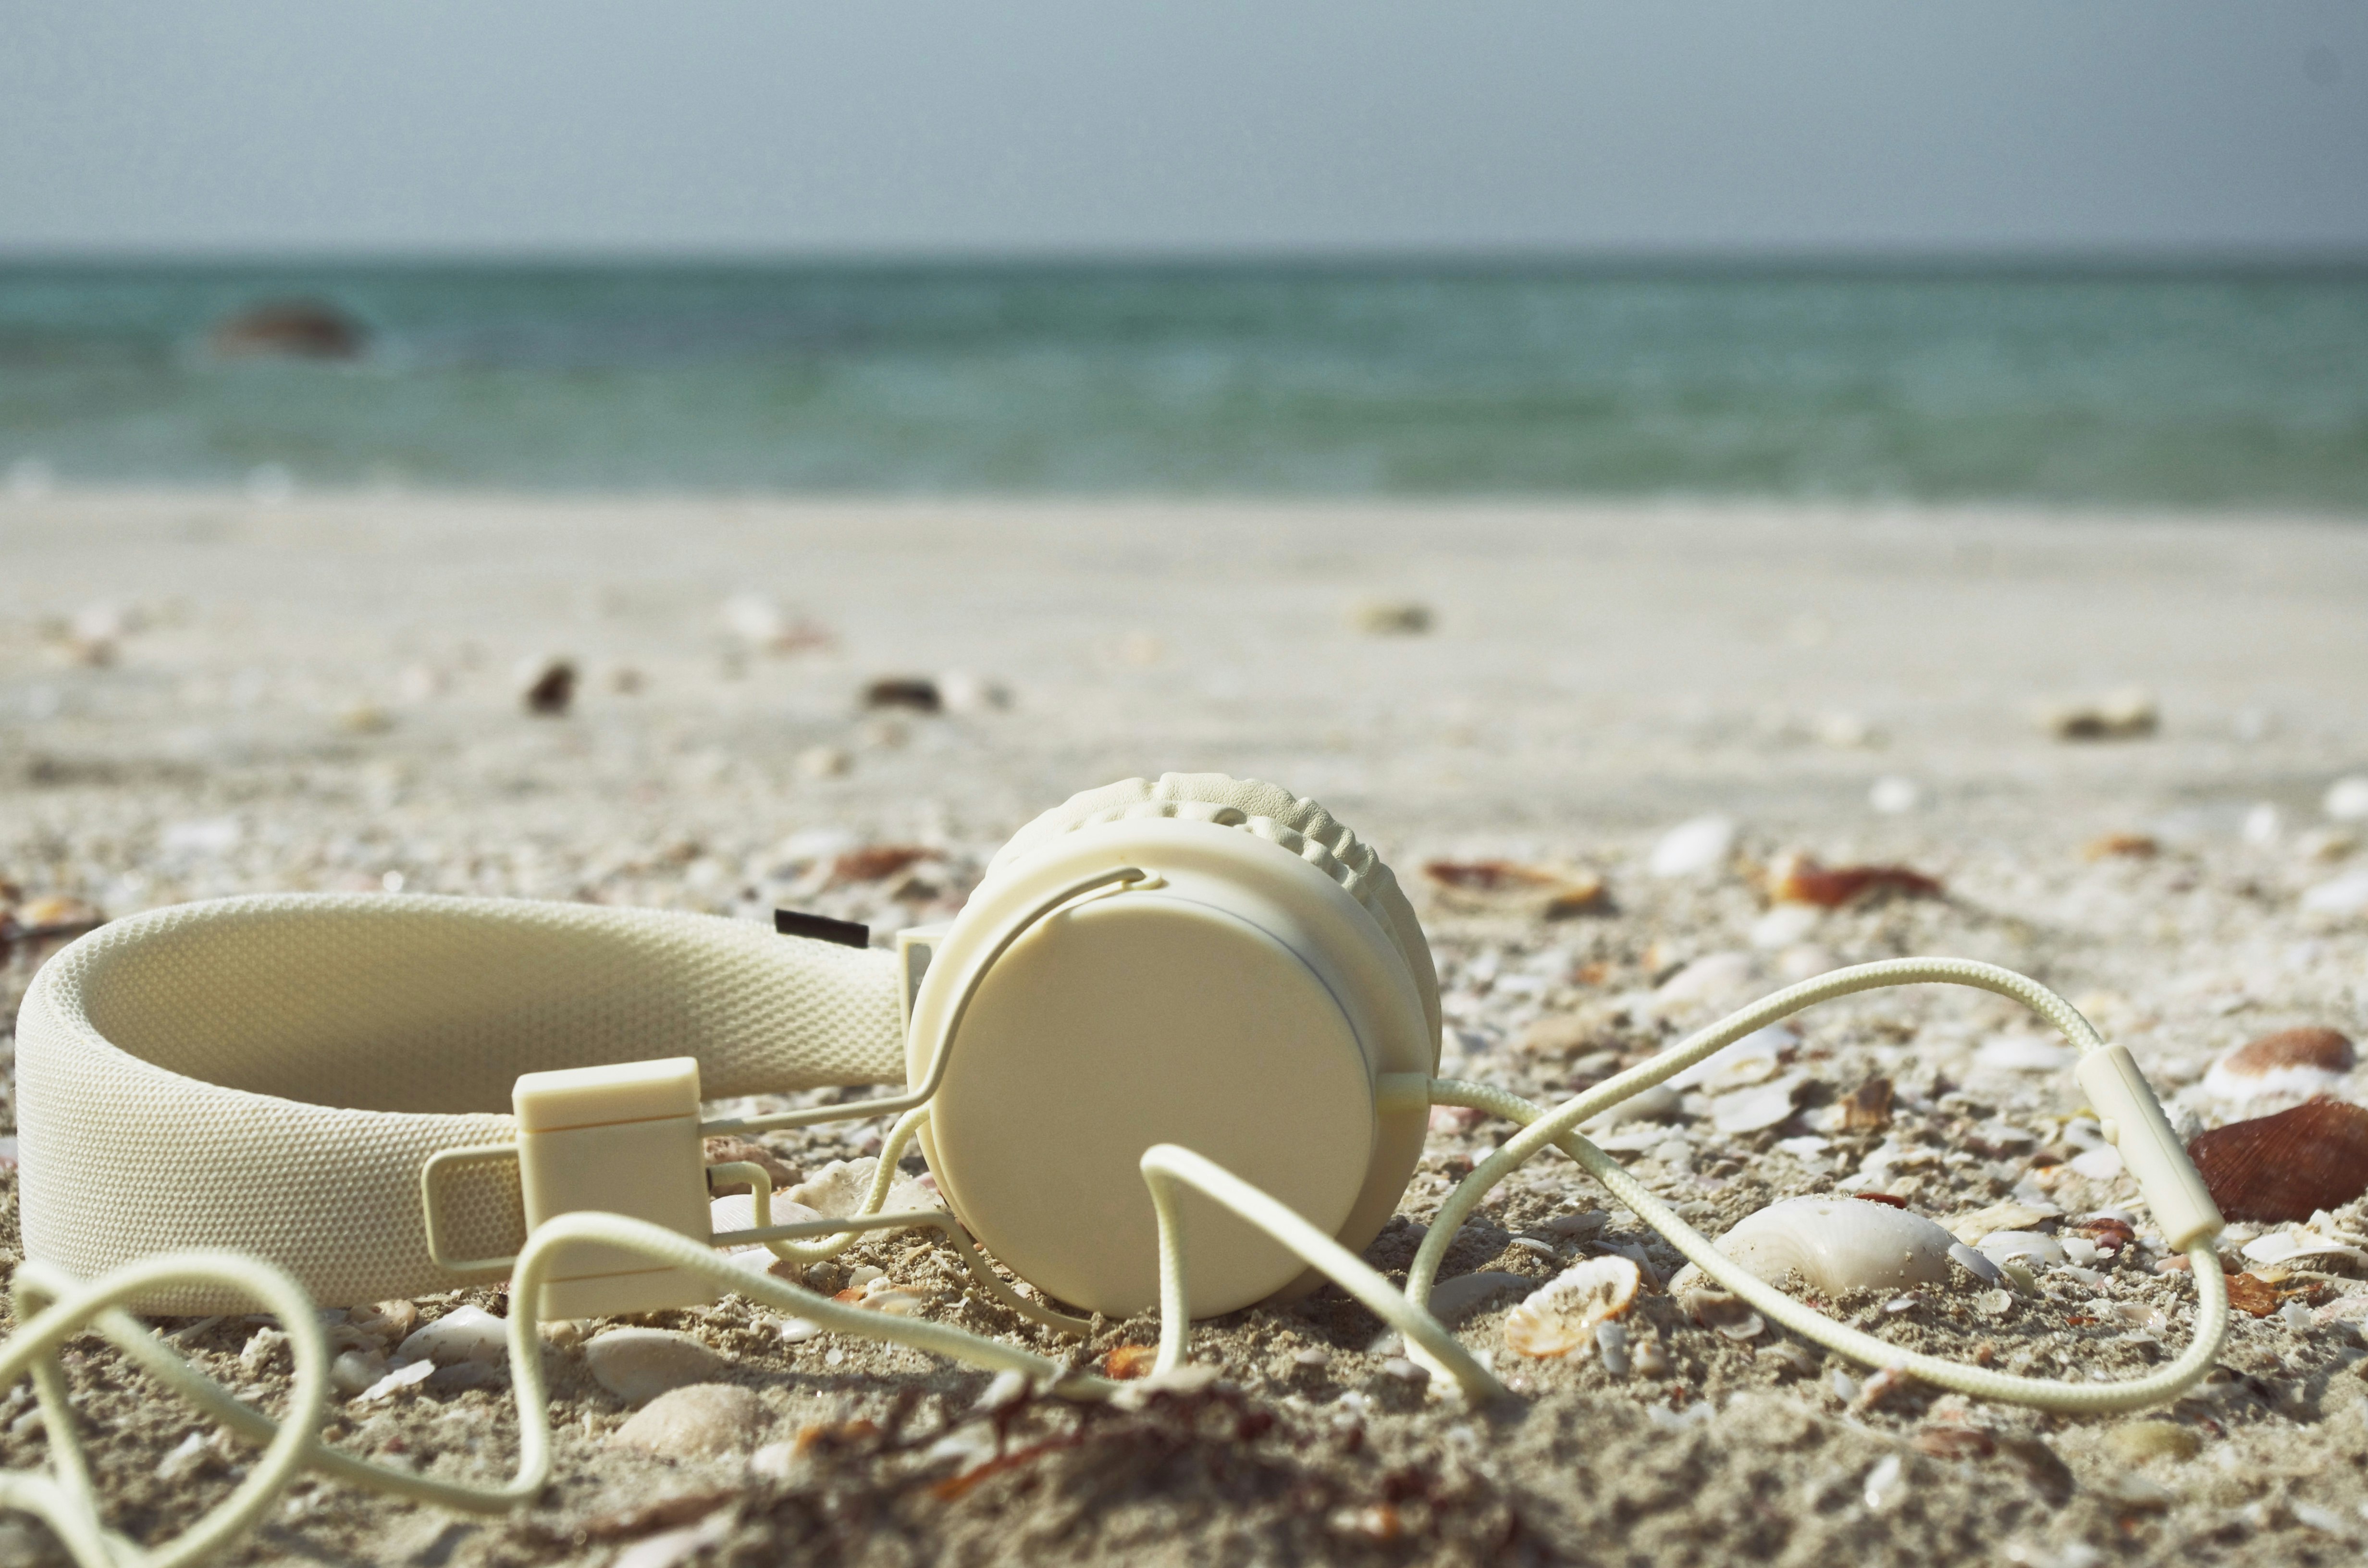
{"points": [[2298, 1081], [1841, 1243], [1753, 1109], [2279, 1246], [2000, 1246], [1562, 1316]]}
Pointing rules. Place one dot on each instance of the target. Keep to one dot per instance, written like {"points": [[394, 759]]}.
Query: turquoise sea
{"points": [[2098, 387]]}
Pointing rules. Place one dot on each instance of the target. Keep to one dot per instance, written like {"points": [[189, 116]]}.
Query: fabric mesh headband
{"points": [[269, 1074]]}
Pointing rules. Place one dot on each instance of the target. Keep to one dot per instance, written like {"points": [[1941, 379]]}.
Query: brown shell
{"points": [[2287, 1166], [1799, 879], [2323, 1048]]}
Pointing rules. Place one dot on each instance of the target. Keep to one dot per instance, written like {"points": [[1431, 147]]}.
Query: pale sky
{"points": [[1191, 127]]}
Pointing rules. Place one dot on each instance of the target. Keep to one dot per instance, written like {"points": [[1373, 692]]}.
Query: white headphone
{"points": [[1178, 1050]]}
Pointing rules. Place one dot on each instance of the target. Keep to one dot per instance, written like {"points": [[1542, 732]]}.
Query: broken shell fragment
{"points": [[1484, 885], [1753, 1109], [1837, 1244], [1798, 878], [1974, 1264], [1729, 1315], [2290, 1062], [2288, 1165], [2029, 1246], [1563, 1316]]}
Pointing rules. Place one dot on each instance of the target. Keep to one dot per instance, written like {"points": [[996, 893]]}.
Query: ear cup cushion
{"points": [[1274, 814]]}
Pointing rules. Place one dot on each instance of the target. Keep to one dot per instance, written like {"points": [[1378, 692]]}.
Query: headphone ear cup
{"points": [[1244, 1002], [1273, 813]]}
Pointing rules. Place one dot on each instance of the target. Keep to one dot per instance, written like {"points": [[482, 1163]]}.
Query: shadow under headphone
{"points": [[1178, 1050]]}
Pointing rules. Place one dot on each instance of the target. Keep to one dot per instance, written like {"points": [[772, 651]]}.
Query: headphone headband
{"points": [[310, 1053]]}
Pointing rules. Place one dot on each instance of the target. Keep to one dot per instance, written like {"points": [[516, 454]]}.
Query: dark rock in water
{"points": [[297, 329], [915, 692], [2287, 1166]]}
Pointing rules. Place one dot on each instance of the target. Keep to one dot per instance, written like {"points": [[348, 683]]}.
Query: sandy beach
{"points": [[204, 694]]}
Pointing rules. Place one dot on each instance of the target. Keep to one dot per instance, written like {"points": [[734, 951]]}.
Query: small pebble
{"points": [[1650, 1359], [547, 688], [639, 1364], [699, 1421], [1611, 1347], [2295, 1315]]}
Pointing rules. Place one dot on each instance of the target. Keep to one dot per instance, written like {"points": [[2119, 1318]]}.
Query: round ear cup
{"points": [[1241, 1003], [1270, 812]]}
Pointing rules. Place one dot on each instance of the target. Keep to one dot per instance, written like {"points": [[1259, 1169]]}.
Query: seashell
{"points": [[1658, 1103], [1650, 1360], [1751, 1110], [1974, 1264], [1484, 885], [2252, 1295], [2135, 845], [2287, 1166], [410, 1374], [1729, 1315], [1730, 1063], [1611, 1347], [877, 862], [2102, 1164], [1705, 844], [1994, 1303], [2107, 1232], [464, 1334], [2290, 1062], [639, 1364], [2001, 1246], [2285, 1246], [1971, 1228], [1561, 1317], [389, 1322], [697, 1422], [1709, 978], [1798, 878], [2025, 1054], [1838, 1244], [2137, 1315]]}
